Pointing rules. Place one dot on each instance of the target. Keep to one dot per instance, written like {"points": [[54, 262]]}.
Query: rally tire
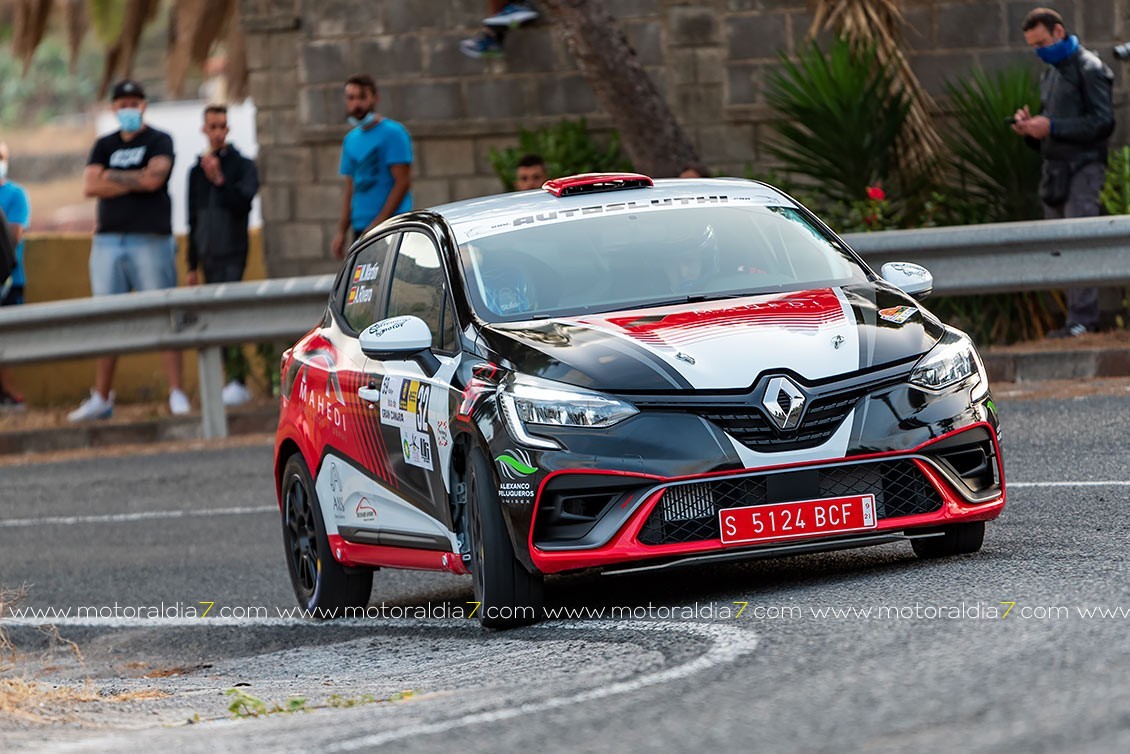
{"points": [[321, 584], [959, 539], [509, 595]]}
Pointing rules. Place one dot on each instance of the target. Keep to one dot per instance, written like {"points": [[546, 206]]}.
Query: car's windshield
{"points": [[608, 263]]}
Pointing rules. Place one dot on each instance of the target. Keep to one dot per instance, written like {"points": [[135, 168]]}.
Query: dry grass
{"points": [[41, 703]]}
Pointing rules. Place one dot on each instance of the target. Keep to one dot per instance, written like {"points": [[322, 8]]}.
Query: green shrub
{"points": [[996, 174], [841, 115], [567, 148], [1115, 195]]}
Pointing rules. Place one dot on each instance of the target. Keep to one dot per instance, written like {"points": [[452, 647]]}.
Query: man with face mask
{"points": [[376, 160], [17, 212], [133, 247], [1075, 122]]}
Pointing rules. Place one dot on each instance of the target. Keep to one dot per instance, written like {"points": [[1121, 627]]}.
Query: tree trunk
{"points": [[648, 129]]}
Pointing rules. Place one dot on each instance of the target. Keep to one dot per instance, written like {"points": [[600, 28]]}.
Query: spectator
{"points": [[17, 211], [221, 186], [1075, 121], [133, 248], [376, 160], [530, 173], [694, 170], [488, 43]]}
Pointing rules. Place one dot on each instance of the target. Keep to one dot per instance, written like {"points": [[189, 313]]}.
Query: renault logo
{"points": [[784, 403]]}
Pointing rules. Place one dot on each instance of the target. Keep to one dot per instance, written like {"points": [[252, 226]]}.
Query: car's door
{"points": [[412, 410]]}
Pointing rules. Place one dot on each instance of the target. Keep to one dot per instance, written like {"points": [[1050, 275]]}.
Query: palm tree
{"points": [[196, 29], [877, 25]]}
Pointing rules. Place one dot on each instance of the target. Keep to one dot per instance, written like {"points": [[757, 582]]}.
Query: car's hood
{"points": [[721, 345]]}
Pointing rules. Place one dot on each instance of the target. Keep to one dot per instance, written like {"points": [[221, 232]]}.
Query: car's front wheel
{"points": [[322, 585], [507, 593], [958, 539]]}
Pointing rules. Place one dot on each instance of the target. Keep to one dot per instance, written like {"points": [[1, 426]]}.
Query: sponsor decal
{"points": [[515, 464], [685, 357], [363, 273], [409, 391], [404, 403], [337, 489], [417, 448], [897, 314], [837, 341], [327, 405], [604, 209], [516, 492], [360, 294], [381, 328], [365, 510], [443, 433]]}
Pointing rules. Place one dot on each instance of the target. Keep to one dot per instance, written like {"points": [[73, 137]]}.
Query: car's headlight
{"points": [[529, 403], [952, 361]]}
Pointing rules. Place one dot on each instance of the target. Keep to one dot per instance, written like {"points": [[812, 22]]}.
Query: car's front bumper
{"points": [[584, 518]]}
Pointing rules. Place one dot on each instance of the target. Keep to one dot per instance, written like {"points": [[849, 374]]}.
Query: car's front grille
{"points": [[689, 513]]}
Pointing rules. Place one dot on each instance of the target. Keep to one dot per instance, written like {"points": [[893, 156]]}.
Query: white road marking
{"points": [[114, 518], [1108, 483], [729, 643]]}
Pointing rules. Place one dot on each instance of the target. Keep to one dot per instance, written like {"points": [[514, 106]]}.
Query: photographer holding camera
{"points": [[1075, 121]]}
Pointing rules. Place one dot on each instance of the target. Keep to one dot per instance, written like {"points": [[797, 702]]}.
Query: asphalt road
{"points": [[946, 672]]}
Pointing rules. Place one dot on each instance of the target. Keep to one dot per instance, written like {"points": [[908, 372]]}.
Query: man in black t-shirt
{"points": [[133, 248]]}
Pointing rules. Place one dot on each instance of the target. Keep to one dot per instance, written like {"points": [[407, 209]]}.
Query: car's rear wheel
{"points": [[509, 595], [959, 539], [321, 584]]}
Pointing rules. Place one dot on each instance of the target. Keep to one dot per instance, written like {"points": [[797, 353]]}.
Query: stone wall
{"points": [[710, 59]]}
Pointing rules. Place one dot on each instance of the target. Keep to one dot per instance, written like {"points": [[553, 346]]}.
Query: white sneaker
{"points": [[513, 15], [235, 393], [94, 407], [178, 403]]}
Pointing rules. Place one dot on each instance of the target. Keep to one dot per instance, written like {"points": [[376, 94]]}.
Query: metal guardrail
{"points": [[206, 317], [1002, 257], [964, 260]]}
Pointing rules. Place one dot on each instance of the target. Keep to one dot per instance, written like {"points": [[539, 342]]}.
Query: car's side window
{"points": [[361, 300], [418, 287]]}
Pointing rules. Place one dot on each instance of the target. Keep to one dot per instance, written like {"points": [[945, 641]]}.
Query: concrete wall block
{"points": [[498, 98], [447, 157], [753, 37], [532, 50], [696, 103], [283, 125], [297, 241], [317, 201], [483, 147], [934, 69], [290, 165], [469, 188], [647, 40], [320, 105], [681, 63], [633, 8], [1099, 23], [743, 84], [423, 101], [710, 65], [727, 144], [566, 95], [327, 162], [971, 26], [282, 48], [429, 192], [406, 16], [323, 62], [276, 203], [443, 58], [389, 57], [692, 26], [918, 32], [258, 51], [743, 6]]}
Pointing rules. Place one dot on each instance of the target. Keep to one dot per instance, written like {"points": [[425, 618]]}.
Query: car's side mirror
{"points": [[400, 338], [912, 279]]}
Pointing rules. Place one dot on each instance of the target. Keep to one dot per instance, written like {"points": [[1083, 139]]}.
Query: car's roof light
{"points": [[593, 183]]}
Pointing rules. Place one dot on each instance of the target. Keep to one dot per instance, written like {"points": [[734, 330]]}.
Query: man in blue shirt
{"points": [[376, 160], [13, 201]]}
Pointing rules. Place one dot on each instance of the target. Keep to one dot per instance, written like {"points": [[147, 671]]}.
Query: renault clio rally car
{"points": [[625, 374]]}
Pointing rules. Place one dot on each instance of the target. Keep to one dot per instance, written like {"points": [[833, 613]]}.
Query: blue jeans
{"points": [[124, 262]]}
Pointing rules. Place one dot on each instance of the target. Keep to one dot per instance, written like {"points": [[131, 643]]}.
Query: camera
{"points": [[1122, 51]]}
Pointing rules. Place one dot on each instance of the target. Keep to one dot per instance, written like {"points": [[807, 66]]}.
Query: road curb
{"points": [[101, 435], [1037, 366]]}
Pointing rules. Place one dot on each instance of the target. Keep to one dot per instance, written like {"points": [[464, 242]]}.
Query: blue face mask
{"points": [[369, 118], [1054, 54], [129, 118]]}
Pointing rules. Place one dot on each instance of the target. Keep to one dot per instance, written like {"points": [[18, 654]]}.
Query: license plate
{"points": [[764, 523]]}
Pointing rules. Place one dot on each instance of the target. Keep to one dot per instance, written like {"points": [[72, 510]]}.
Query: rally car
{"points": [[624, 374]]}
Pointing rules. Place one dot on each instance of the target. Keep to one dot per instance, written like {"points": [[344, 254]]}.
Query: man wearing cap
{"points": [[133, 249]]}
